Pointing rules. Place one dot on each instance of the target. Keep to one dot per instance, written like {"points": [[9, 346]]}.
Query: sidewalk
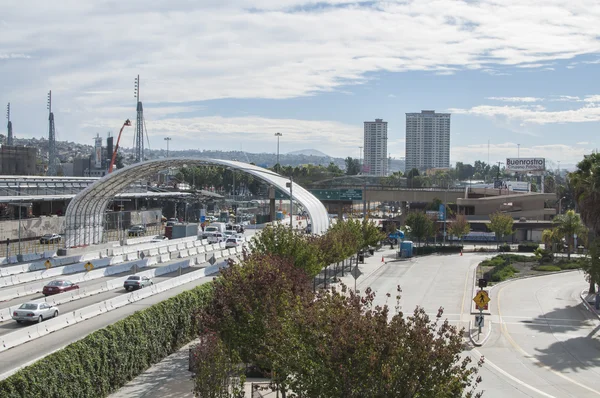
{"points": [[171, 378]]}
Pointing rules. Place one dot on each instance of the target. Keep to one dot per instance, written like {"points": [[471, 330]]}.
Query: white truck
{"points": [[215, 227]]}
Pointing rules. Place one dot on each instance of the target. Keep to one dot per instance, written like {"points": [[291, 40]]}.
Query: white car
{"points": [[34, 312], [234, 241], [216, 237]]}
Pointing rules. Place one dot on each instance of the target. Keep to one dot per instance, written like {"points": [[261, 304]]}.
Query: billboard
{"points": [[525, 164]]}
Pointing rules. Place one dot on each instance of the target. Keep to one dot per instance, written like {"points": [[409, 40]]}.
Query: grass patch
{"points": [[570, 264], [547, 268]]}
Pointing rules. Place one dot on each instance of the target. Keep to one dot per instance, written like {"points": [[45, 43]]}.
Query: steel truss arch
{"points": [[84, 217]]}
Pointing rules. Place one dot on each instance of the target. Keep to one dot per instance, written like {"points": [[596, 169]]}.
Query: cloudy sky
{"points": [[230, 74]]}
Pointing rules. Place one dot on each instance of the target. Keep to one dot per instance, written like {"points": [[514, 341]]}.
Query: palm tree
{"points": [[586, 185], [550, 237], [569, 224]]}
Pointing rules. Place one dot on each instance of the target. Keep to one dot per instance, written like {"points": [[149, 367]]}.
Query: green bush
{"points": [[514, 258], [107, 359], [504, 248], [527, 247], [503, 273], [573, 264], [547, 268], [493, 262]]}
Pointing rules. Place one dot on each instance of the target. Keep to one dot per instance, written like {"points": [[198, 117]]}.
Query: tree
{"points": [[300, 249], [352, 166], [459, 227], [348, 347], [567, 225], [421, 226], [551, 238], [501, 224], [591, 265], [586, 186]]}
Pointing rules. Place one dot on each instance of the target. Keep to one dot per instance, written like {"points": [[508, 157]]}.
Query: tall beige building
{"points": [[375, 148], [427, 140]]}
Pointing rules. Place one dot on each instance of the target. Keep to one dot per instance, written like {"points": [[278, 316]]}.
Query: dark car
{"points": [[137, 230], [136, 282], [59, 286], [50, 238]]}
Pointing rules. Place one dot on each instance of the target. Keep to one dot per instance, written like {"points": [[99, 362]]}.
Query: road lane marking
{"points": [[504, 373], [531, 357]]}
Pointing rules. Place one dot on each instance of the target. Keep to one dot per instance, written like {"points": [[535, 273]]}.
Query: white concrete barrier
{"points": [[153, 252], [64, 320], [172, 248], [193, 251], [131, 256], [183, 254], [164, 258]]}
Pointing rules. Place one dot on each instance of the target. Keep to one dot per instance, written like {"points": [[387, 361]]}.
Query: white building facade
{"points": [[427, 140], [375, 148]]}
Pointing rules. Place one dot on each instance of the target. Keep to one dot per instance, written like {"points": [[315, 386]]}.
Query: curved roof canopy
{"points": [[85, 215]]}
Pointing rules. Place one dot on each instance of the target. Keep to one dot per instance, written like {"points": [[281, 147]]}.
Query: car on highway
{"points": [[216, 237], [137, 282], [136, 230], [159, 238], [58, 286], [34, 312], [50, 238], [229, 234], [234, 241]]}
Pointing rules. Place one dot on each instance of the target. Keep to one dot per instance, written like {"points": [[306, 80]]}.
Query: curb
{"points": [[487, 336], [587, 305]]}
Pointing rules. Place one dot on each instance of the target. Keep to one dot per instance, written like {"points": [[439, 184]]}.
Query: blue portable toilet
{"points": [[406, 249], [279, 215]]}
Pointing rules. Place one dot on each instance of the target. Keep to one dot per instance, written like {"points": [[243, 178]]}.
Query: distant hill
{"points": [[309, 152]]}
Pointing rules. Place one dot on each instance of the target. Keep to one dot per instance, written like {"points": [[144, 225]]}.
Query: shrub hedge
{"points": [[547, 268], [502, 268], [527, 247], [425, 250], [107, 359], [504, 248]]}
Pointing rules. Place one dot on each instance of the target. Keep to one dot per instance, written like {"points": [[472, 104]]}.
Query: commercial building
{"points": [[375, 148], [18, 160], [427, 140]]}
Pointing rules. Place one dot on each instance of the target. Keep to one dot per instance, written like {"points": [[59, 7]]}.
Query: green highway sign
{"points": [[351, 194], [338, 194], [326, 194]]}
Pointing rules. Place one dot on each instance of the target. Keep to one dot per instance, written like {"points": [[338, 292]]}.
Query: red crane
{"points": [[114, 155]]}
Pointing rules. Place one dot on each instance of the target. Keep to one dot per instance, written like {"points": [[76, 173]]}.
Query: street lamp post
{"points": [[278, 134], [291, 203], [360, 160], [168, 139]]}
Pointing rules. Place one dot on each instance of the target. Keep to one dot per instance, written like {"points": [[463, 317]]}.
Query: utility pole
{"points": [[360, 168], [290, 184], [9, 126], [278, 134]]}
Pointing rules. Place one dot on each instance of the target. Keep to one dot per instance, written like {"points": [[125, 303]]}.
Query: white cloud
{"points": [[88, 52], [537, 114], [567, 154], [566, 98], [391, 96], [516, 99], [583, 143]]}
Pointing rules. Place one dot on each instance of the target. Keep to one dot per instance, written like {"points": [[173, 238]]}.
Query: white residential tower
{"points": [[427, 140], [375, 148]]}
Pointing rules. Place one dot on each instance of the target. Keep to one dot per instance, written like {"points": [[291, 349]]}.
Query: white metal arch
{"points": [[85, 214]]}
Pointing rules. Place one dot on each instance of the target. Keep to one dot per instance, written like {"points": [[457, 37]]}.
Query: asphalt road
{"points": [[10, 326], [28, 353], [544, 343]]}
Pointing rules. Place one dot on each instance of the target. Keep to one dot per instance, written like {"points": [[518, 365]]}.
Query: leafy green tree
{"points": [[586, 186], [501, 224], [352, 166], [421, 226], [459, 227], [591, 265], [551, 238], [348, 347], [567, 225], [299, 248]]}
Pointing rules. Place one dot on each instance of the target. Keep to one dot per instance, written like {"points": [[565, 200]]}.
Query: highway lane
{"points": [[34, 350], [544, 342], [10, 326]]}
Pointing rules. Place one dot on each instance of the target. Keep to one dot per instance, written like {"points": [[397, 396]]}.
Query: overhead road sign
{"points": [[338, 194]]}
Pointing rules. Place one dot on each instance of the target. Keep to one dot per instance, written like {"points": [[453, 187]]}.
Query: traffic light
{"points": [[482, 283]]}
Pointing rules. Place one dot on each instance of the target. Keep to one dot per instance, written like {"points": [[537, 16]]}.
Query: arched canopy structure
{"points": [[85, 214]]}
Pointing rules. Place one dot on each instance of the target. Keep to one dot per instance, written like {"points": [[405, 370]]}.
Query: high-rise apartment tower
{"points": [[375, 148], [427, 140]]}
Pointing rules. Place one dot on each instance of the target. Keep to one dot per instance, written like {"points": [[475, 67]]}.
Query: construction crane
{"points": [[114, 155]]}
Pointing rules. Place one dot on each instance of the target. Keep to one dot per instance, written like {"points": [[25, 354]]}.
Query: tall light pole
{"points": [[360, 160], [278, 134], [168, 139], [518, 151]]}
